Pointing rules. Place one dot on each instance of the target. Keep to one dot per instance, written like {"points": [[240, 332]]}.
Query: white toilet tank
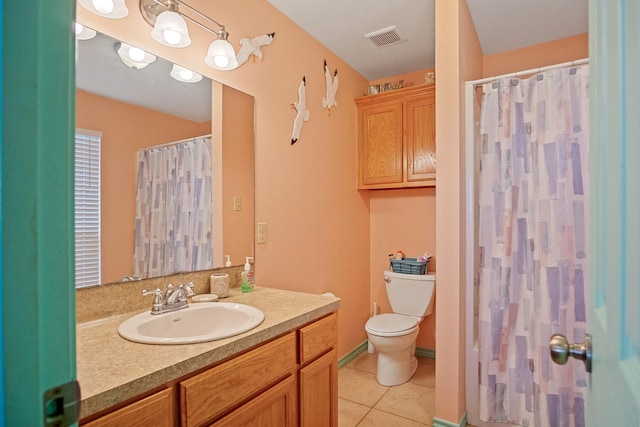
{"points": [[410, 294]]}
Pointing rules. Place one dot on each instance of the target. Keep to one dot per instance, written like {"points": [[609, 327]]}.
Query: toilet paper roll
{"points": [[219, 284]]}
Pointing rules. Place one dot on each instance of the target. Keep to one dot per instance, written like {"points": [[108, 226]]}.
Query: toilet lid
{"points": [[391, 323]]}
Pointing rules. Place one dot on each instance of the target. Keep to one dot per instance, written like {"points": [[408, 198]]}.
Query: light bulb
{"points": [[171, 36], [136, 54], [103, 6], [186, 74], [221, 61]]}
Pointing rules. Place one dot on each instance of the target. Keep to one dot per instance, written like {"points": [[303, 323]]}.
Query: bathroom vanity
{"points": [[282, 373]]}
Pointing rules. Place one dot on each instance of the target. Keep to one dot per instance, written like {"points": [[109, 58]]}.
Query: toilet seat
{"points": [[390, 324]]}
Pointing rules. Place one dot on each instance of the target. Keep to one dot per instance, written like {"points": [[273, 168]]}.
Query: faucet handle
{"points": [[188, 288], [158, 301]]}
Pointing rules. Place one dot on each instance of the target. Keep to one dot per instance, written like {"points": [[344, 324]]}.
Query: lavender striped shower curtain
{"points": [[174, 209], [533, 196]]}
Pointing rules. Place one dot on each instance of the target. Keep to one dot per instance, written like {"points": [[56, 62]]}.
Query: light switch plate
{"points": [[237, 203], [262, 232]]}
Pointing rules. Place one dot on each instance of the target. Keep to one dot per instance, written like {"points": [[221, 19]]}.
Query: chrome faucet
{"points": [[173, 299]]}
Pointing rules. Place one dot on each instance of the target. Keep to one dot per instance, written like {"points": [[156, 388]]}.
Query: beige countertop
{"points": [[112, 370]]}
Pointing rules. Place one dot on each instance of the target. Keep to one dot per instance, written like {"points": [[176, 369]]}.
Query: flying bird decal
{"points": [[251, 47], [303, 113], [331, 85]]}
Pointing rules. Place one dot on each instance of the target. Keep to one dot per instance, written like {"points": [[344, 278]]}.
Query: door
{"points": [[614, 318], [38, 295]]}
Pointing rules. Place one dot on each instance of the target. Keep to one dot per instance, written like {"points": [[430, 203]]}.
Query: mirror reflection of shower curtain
{"points": [[533, 197], [173, 226]]}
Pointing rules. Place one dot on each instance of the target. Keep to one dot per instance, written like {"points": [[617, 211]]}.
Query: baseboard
{"points": [[425, 352], [352, 354], [437, 422]]}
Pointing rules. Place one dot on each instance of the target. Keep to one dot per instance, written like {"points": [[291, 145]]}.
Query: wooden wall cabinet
{"points": [[287, 382], [396, 138]]}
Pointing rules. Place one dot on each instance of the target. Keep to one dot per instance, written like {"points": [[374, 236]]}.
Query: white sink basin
{"points": [[200, 322]]}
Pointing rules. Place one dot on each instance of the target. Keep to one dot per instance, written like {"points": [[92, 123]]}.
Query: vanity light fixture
{"points": [[167, 17], [132, 56], [114, 9], [82, 32], [184, 75]]}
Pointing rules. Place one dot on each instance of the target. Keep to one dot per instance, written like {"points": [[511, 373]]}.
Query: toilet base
{"points": [[395, 368]]}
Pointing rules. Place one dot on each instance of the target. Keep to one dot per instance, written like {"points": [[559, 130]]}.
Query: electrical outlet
{"points": [[237, 203], [262, 232]]}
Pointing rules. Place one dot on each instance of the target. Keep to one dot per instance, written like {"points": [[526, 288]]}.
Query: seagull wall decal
{"points": [[303, 113], [331, 86], [251, 47]]}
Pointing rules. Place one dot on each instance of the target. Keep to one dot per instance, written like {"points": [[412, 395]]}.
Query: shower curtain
{"points": [[533, 196], [174, 209]]}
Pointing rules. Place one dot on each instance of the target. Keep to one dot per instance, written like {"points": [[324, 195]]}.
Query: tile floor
{"points": [[363, 402]]}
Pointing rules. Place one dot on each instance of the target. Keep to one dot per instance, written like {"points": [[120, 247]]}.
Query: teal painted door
{"points": [[38, 295], [614, 317]]}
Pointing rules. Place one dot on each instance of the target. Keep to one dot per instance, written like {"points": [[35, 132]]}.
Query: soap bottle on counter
{"points": [[247, 277], [228, 263]]}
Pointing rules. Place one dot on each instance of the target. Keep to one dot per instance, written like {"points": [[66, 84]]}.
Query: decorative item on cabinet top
{"points": [[396, 139]]}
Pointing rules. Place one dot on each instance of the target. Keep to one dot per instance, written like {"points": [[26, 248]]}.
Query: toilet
{"points": [[394, 334]]}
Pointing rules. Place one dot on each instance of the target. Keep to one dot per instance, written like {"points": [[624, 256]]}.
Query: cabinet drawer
{"points": [[155, 410], [217, 390], [318, 337]]}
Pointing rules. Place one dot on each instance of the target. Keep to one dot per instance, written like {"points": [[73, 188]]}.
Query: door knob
{"points": [[561, 350]]}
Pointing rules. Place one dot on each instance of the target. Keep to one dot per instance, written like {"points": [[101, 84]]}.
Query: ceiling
{"points": [[501, 25], [100, 71]]}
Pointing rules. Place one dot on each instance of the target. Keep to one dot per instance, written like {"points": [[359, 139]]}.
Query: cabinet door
{"points": [[275, 407], [319, 392], [380, 148], [155, 410], [420, 126], [218, 390]]}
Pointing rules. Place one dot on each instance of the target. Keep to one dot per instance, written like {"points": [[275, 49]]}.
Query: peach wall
{"points": [[540, 55], [404, 220], [125, 129], [238, 149], [458, 58], [317, 222]]}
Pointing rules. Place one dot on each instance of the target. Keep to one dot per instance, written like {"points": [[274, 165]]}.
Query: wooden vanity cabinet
{"points": [[289, 381], [396, 138]]}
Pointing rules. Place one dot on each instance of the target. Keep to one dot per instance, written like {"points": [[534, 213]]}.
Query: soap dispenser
{"points": [[247, 277], [228, 263]]}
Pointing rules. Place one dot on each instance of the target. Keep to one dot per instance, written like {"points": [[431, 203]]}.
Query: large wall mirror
{"points": [[135, 108]]}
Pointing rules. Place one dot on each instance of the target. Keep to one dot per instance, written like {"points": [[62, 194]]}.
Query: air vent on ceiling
{"points": [[385, 37]]}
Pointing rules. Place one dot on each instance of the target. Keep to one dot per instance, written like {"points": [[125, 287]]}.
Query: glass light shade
{"points": [[221, 56], [114, 9], [134, 57], [171, 30], [104, 6], [184, 75], [82, 32]]}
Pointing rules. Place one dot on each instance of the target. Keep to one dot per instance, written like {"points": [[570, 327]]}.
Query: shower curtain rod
{"points": [[527, 72], [178, 142]]}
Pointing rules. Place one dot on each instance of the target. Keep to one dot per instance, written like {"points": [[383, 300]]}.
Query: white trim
{"points": [[89, 132]]}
